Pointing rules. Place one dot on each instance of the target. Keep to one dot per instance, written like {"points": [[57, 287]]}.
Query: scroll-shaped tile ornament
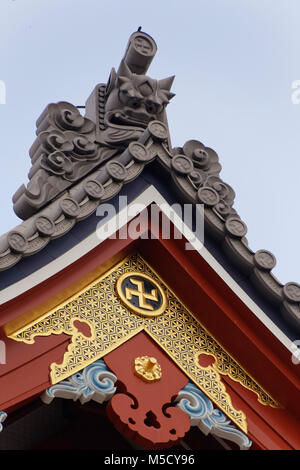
{"points": [[208, 419], [95, 382]]}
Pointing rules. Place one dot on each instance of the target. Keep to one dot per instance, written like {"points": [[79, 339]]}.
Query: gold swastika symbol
{"points": [[141, 294], [138, 294]]}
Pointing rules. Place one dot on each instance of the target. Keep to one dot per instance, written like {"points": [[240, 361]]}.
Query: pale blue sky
{"points": [[234, 61]]}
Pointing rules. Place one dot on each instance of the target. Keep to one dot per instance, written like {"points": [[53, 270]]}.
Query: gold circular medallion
{"points": [[141, 294]]}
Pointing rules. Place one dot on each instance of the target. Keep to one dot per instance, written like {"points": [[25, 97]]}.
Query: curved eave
{"points": [[260, 286]]}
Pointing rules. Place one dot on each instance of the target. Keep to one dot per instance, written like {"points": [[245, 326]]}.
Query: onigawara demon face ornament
{"points": [[135, 100]]}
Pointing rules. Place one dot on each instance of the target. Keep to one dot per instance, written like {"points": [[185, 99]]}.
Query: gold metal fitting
{"points": [[147, 369]]}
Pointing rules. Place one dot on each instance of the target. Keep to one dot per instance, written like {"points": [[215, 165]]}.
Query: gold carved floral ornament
{"points": [[147, 369]]}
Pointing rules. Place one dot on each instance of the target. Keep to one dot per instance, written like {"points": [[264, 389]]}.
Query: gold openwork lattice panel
{"points": [[176, 330]]}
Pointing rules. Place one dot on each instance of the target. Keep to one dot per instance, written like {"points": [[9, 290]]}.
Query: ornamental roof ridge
{"points": [[79, 162]]}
